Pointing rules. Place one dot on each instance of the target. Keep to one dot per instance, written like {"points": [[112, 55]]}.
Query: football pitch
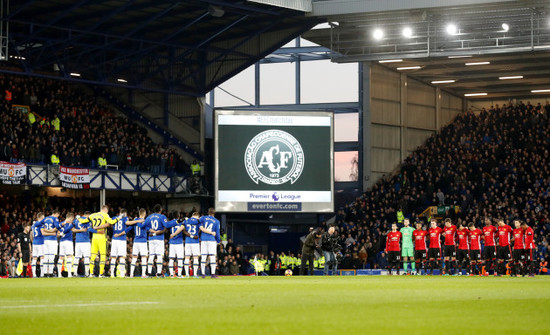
{"points": [[276, 305]]}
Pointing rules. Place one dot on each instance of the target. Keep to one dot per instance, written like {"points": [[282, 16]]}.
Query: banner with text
{"points": [[13, 173], [74, 178]]}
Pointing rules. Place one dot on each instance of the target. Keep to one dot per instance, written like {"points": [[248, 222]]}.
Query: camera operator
{"points": [[308, 251], [330, 246]]}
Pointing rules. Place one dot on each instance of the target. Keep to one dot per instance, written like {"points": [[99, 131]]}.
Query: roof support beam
{"points": [[187, 52], [136, 56]]}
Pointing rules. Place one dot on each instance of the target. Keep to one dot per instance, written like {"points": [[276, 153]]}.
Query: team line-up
{"points": [[497, 251], [202, 235]]}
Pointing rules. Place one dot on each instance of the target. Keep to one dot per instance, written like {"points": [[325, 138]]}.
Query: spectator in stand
{"points": [[75, 126]]}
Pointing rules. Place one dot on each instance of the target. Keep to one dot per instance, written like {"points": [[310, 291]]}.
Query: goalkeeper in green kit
{"points": [[407, 249]]}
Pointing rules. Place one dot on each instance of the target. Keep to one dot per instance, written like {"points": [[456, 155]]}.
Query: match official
{"points": [[24, 243]]}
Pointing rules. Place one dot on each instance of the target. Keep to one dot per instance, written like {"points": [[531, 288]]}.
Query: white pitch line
{"points": [[82, 305]]}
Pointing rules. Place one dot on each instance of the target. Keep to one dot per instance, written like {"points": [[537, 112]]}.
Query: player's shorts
{"points": [[156, 247], [475, 255], [518, 255], [434, 253], [82, 249], [407, 252], [420, 254], [176, 251], [66, 248], [462, 255], [209, 248], [192, 249], [50, 247], [503, 252], [118, 248], [25, 256], [528, 254], [489, 252], [449, 250], [140, 248], [393, 256], [37, 250]]}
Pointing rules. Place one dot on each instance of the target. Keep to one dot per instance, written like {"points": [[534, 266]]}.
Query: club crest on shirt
{"points": [[274, 157]]}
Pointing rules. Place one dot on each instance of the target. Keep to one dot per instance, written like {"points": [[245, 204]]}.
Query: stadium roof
{"points": [[186, 47], [513, 36]]}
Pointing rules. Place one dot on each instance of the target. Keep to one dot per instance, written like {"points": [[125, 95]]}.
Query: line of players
{"points": [[52, 237], [462, 247]]}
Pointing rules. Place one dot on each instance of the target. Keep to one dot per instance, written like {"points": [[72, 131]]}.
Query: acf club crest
{"points": [[274, 157]]}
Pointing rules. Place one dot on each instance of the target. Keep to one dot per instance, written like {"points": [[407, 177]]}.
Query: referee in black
{"points": [[24, 243]]}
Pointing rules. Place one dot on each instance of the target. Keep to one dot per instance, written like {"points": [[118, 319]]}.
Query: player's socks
{"points": [[159, 265], [133, 267], [33, 265], [180, 267], [87, 266], [42, 267], [405, 266], [186, 267], [143, 265], [76, 261], [195, 270], [101, 266], [59, 266], [51, 264], [171, 266], [413, 266], [122, 267], [69, 266], [213, 268], [112, 268], [92, 264], [203, 267], [150, 264]]}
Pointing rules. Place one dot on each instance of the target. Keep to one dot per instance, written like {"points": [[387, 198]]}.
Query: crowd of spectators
{"points": [[491, 163], [77, 129]]}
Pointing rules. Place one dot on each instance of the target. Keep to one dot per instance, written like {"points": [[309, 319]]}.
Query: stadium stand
{"points": [[72, 129], [491, 163]]}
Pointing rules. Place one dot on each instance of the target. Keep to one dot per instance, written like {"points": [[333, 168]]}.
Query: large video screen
{"points": [[274, 161]]}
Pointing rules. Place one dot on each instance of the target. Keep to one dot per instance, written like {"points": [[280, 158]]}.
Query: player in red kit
{"points": [[489, 246], [528, 239], [434, 251], [420, 252], [450, 246], [503, 250], [463, 248], [518, 255], [475, 249], [393, 248]]}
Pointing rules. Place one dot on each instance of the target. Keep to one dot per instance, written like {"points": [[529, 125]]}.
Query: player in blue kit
{"points": [[140, 245], [119, 242], [50, 225], [82, 244], [66, 245], [192, 246], [177, 230], [210, 237], [38, 244], [155, 224]]}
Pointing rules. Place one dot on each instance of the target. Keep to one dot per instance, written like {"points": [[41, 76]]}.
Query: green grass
{"points": [[276, 305]]}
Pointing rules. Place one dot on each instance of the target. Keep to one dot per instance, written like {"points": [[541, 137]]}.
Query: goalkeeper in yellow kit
{"points": [[99, 221]]}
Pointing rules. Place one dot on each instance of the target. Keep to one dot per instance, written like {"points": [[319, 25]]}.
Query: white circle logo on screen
{"points": [[274, 157]]}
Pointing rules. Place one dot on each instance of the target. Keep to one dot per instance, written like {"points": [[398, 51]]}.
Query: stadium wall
{"points": [[400, 113]]}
